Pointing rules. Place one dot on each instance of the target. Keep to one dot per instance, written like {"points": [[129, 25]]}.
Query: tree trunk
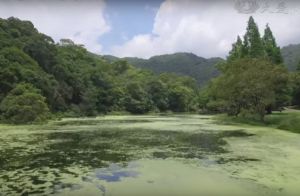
{"points": [[269, 109]]}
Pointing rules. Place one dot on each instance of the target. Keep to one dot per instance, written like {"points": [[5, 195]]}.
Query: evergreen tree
{"points": [[245, 47], [237, 49], [270, 46], [252, 40]]}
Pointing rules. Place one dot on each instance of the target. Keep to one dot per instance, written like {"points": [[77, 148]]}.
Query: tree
{"points": [[24, 104], [158, 92], [248, 85], [264, 48], [237, 50], [295, 80], [43, 51], [181, 98], [137, 100], [89, 101], [16, 66], [252, 40], [272, 50]]}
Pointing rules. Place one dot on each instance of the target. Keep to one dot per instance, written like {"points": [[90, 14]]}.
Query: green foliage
{"points": [[137, 100], [291, 56], [24, 104], [180, 98], [237, 50], [295, 80], [182, 92], [242, 88], [271, 48], [158, 91], [77, 82], [186, 64], [16, 67], [254, 46], [254, 80]]}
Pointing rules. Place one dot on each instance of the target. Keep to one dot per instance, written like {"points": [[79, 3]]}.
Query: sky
{"points": [[144, 28]]}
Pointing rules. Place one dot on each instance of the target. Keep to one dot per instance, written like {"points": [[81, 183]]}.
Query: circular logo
{"points": [[246, 6]]}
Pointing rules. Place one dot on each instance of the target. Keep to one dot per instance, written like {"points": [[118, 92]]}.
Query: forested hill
{"points": [[291, 56], [39, 77], [187, 64], [201, 69]]}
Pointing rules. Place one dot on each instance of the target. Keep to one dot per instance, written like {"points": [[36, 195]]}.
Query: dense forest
{"points": [[40, 79]]}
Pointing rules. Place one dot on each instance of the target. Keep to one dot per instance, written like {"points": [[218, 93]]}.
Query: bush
{"points": [[24, 104]]}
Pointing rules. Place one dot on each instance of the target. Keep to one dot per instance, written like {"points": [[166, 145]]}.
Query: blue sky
{"points": [[144, 28], [128, 19]]}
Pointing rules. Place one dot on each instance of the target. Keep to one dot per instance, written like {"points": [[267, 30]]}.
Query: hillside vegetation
{"points": [[291, 56], [201, 69], [187, 64], [39, 76]]}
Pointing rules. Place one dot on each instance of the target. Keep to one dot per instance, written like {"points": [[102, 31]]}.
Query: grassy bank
{"points": [[287, 120]]}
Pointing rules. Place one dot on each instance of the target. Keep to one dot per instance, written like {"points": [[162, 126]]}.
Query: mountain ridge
{"points": [[181, 63], [291, 56], [200, 68]]}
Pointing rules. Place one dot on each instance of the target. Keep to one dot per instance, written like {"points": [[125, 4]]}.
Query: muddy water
{"points": [[148, 155]]}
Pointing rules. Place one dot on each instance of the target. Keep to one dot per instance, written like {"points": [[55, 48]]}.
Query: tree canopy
{"points": [[253, 80], [24, 104], [255, 46], [72, 81]]}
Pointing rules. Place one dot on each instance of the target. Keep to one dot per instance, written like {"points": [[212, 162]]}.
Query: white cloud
{"points": [[208, 28], [81, 21]]}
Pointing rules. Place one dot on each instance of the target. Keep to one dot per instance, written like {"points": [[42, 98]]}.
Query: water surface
{"points": [[148, 155]]}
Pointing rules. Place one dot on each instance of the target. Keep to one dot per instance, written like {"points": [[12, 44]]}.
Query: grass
{"points": [[288, 120]]}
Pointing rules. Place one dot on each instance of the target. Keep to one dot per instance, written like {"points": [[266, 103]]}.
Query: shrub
{"points": [[24, 104]]}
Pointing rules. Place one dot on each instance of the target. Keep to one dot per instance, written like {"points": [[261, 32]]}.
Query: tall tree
{"points": [[237, 50], [270, 46], [252, 40]]}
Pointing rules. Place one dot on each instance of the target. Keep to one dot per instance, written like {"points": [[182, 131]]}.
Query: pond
{"points": [[148, 155]]}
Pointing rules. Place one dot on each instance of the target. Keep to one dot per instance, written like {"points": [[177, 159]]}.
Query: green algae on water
{"points": [[147, 155]]}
